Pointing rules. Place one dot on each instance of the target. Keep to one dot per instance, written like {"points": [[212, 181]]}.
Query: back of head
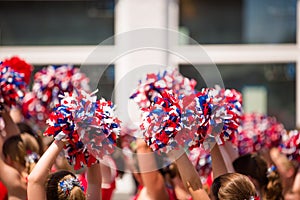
{"points": [[14, 148], [233, 186], [63, 185], [31, 144], [256, 167], [25, 128]]}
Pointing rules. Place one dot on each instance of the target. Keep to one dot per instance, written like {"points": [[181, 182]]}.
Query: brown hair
{"points": [[55, 192], [25, 128], [233, 186], [254, 166], [15, 149]]}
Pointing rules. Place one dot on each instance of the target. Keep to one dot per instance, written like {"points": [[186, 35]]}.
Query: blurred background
{"points": [[254, 43]]}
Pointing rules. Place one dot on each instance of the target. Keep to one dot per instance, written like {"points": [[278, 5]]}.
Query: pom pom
{"points": [[104, 139], [53, 81], [19, 66], [162, 122], [155, 84], [201, 161], [259, 131], [78, 156], [50, 84], [12, 87], [34, 110], [218, 114], [290, 145], [89, 126]]}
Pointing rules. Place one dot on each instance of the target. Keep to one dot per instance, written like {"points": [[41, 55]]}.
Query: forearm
{"points": [[218, 163], [94, 182], [151, 177], [10, 127], [43, 166], [189, 175]]}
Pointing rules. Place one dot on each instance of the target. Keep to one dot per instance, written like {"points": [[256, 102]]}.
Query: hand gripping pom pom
{"points": [[162, 122], [12, 87], [127, 135], [155, 84]]}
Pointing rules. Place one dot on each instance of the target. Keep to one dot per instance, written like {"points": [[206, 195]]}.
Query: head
{"points": [[267, 182], [25, 128], [253, 166], [14, 152], [285, 167], [233, 186], [63, 185]]}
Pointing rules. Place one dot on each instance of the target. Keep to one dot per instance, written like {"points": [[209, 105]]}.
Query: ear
{"points": [[290, 172], [8, 160]]}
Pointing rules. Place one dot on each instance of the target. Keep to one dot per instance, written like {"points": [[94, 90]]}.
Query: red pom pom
{"points": [[12, 87], [259, 131], [19, 66]]}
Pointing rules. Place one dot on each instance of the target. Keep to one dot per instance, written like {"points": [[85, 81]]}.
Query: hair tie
{"points": [[32, 157], [270, 170], [254, 198], [68, 184]]}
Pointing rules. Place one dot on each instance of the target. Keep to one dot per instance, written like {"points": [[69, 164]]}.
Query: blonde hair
{"points": [[233, 186], [54, 190]]}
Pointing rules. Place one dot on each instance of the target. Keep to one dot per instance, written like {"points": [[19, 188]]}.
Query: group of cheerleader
{"points": [[61, 141]]}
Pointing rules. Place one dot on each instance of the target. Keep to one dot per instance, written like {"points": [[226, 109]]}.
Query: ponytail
{"points": [[273, 189]]}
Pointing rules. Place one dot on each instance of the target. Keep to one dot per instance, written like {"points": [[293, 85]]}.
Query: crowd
{"points": [[59, 141]]}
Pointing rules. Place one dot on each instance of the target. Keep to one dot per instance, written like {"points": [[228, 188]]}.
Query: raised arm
{"points": [[189, 176], [152, 179], [94, 182], [218, 163], [16, 188], [38, 176], [10, 127]]}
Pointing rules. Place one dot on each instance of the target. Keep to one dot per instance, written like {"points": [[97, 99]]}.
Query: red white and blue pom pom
{"points": [[34, 110], [201, 160], [53, 81], [162, 122], [108, 128], [259, 131], [290, 145], [219, 116], [155, 84], [20, 66], [88, 125], [78, 156], [12, 87]]}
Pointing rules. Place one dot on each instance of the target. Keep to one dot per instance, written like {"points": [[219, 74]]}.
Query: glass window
{"points": [[239, 21], [275, 81], [56, 22]]}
